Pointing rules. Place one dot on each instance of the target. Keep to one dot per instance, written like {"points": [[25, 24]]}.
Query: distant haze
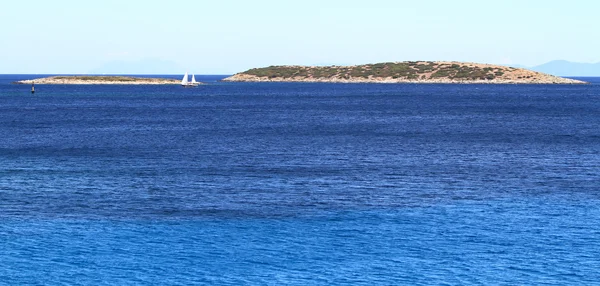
{"points": [[566, 68], [229, 36], [145, 66]]}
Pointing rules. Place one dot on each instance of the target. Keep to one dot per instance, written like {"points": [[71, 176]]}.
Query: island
{"points": [[98, 79], [401, 72]]}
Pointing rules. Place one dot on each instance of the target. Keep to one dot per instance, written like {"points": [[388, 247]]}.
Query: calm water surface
{"points": [[299, 184]]}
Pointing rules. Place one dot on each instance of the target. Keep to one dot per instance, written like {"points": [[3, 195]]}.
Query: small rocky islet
{"points": [[401, 72], [99, 79]]}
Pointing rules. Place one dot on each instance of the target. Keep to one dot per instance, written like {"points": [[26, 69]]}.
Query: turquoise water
{"points": [[301, 184]]}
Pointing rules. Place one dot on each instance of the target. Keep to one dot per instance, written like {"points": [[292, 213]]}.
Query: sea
{"points": [[299, 184]]}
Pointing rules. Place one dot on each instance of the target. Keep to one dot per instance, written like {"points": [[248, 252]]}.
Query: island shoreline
{"points": [[99, 80], [420, 72]]}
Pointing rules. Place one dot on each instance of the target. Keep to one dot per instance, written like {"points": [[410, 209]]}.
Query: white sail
{"points": [[194, 79], [184, 81]]}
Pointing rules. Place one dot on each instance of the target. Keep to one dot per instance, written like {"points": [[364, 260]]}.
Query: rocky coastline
{"points": [[402, 72], [99, 80]]}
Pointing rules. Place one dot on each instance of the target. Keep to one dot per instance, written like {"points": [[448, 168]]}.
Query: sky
{"points": [[229, 36]]}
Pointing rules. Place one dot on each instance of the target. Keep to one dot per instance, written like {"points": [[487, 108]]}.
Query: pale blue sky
{"points": [[228, 36]]}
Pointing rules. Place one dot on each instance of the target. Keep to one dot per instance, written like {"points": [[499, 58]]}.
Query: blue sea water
{"points": [[299, 184]]}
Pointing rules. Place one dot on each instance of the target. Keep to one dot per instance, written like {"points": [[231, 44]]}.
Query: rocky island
{"points": [[401, 72], [97, 79]]}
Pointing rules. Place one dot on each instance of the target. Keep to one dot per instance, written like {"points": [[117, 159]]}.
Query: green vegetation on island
{"points": [[408, 70], [101, 78], [412, 71]]}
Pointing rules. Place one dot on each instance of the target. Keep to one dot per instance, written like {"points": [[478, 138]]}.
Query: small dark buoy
{"points": [[32, 88]]}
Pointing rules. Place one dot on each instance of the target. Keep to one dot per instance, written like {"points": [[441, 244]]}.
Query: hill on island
{"points": [[400, 72]]}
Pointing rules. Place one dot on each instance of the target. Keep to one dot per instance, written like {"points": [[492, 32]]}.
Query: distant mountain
{"points": [[516, 66], [145, 66], [566, 68]]}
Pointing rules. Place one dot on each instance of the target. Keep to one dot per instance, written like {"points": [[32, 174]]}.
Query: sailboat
{"points": [[186, 83]]}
